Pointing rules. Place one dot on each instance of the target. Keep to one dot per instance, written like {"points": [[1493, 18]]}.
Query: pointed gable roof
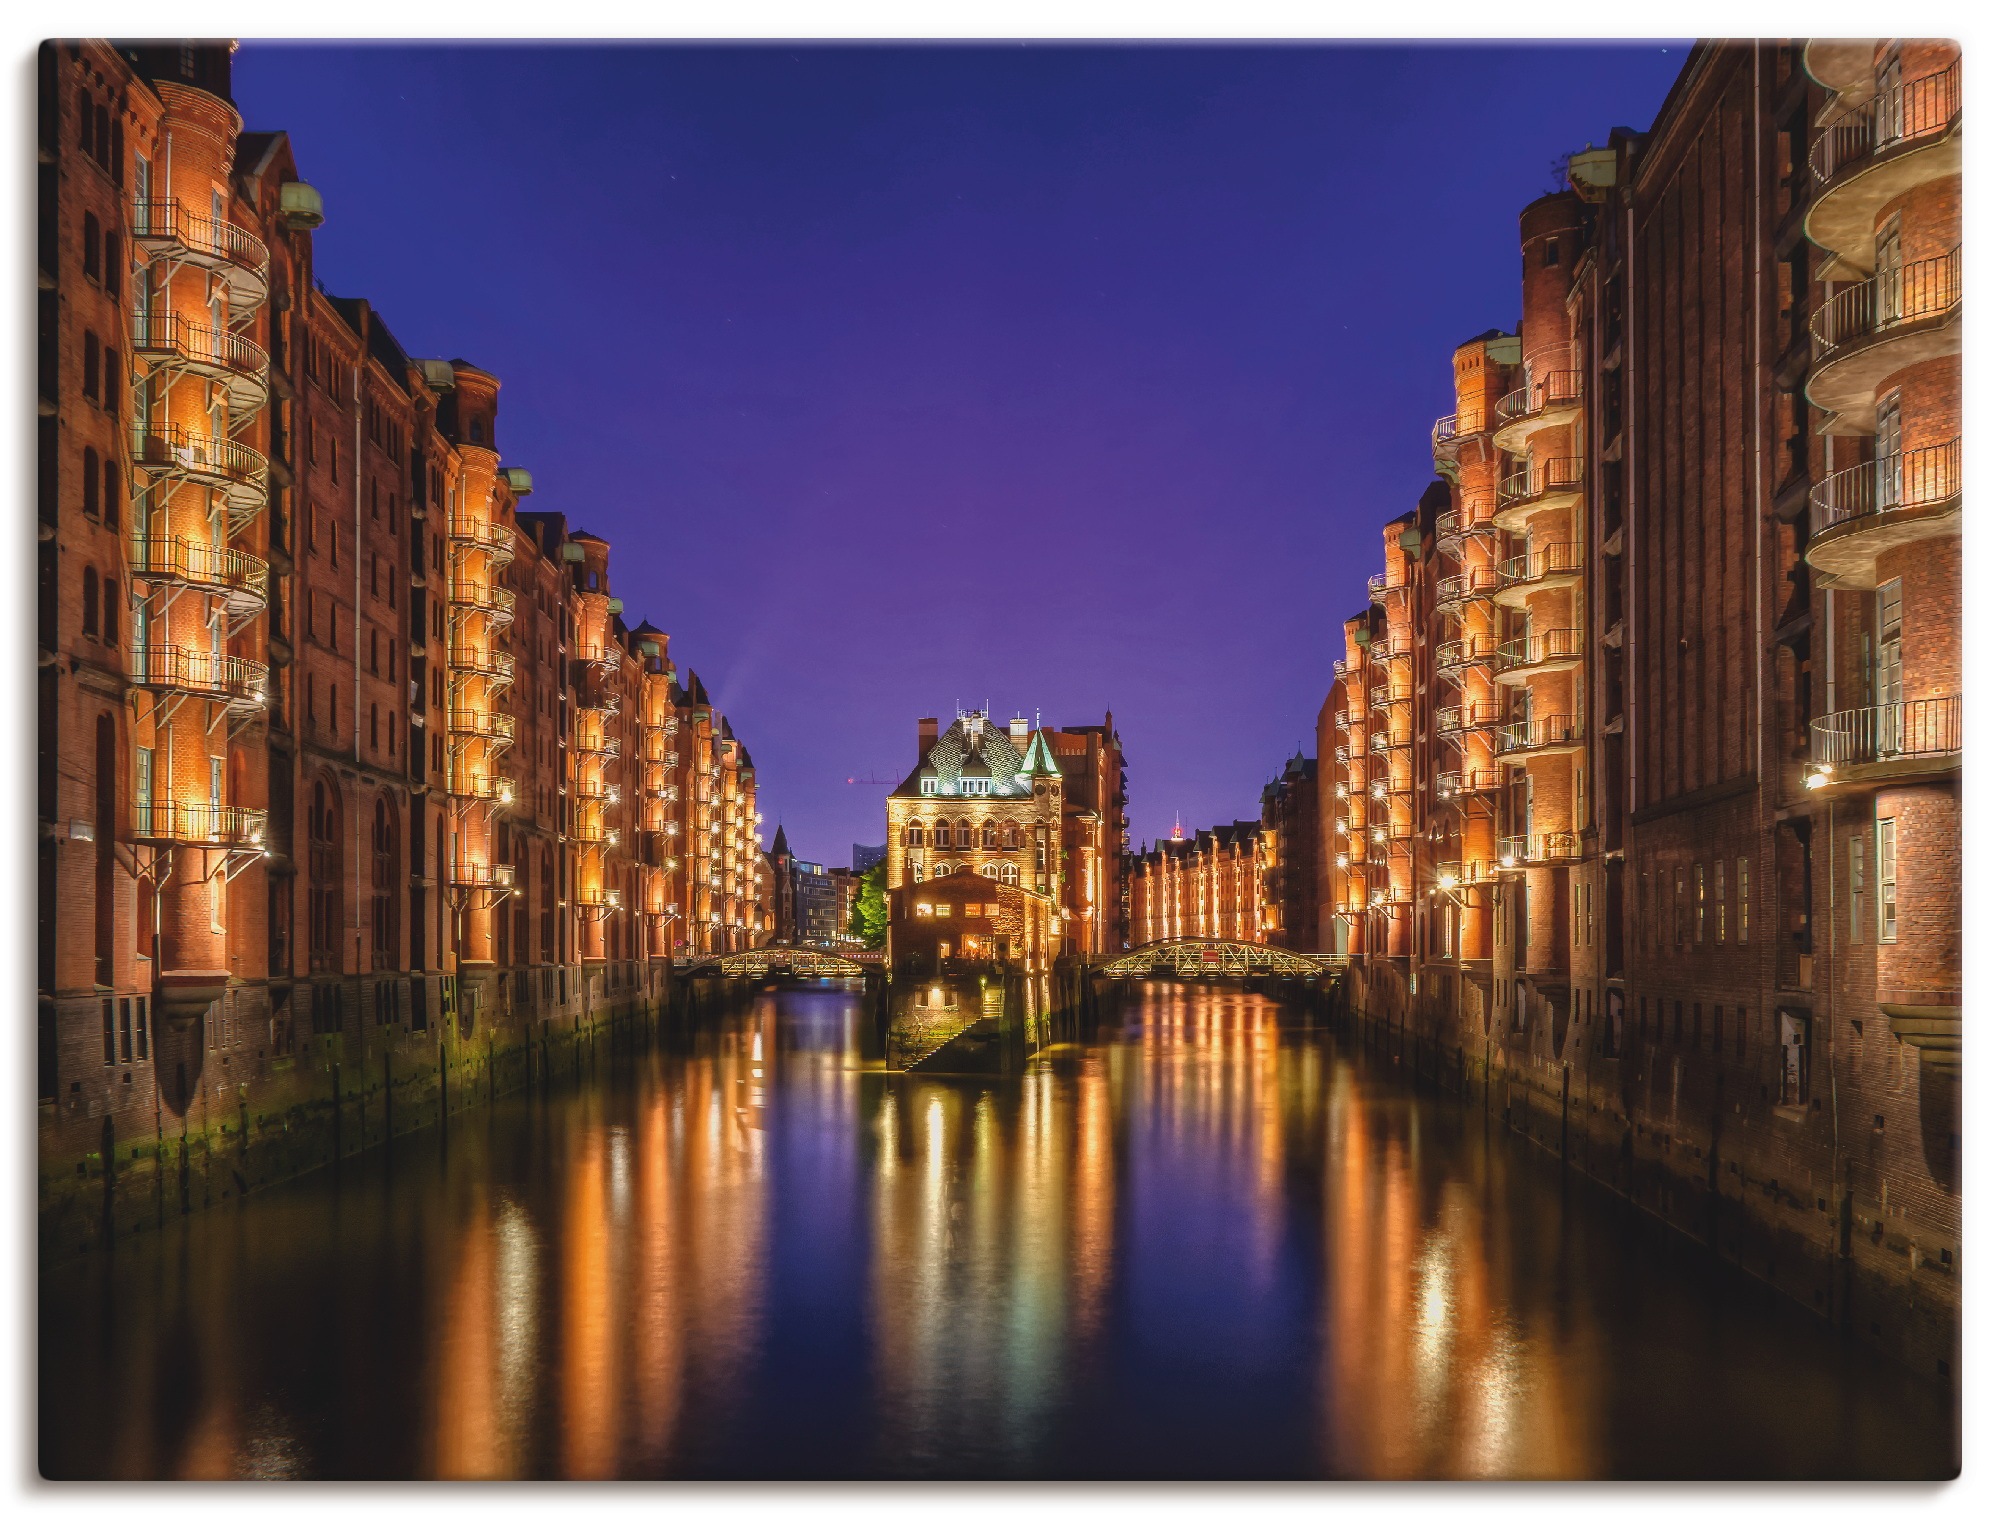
{"points": [[1040, 759]]}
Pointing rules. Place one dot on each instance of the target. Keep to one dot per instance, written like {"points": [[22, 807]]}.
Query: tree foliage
{"points": [[869, 921]]}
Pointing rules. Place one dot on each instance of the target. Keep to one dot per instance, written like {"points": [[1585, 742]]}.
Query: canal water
{"points": [[1209, 1242]]}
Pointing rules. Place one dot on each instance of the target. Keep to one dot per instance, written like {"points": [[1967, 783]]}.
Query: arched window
{"points": [[1010, 837], [1010, 874], [90, 479], [913, 836], [89, 602], [113, 490], [990, 871], [964, 833], [323, 879], [548, 903], [382, 877], [989, 834], [942, 833], [940, 869], [521, 952]]}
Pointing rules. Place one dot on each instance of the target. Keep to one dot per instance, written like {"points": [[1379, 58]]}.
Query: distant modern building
{"points": [[868, 856]]}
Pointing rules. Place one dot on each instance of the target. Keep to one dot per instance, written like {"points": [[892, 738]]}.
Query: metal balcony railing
{"points": [[196, 672], [1559, 387], [1920, 477], [494, 601], [204, 566], [490, 664], [1467, 715], [474, 876], [492, 788], [1382, 741], [595, 742], [1550, 559], [495, 539], [168, 223], [1539, 733], [1922, 108], [1386, 695], [1547, 647], [1381, 587], [1386, 646], [216, 827], [477, 723], [171, 337], [1468, 584], [1541, 848], [1530, 482], [180, 450], [1473, 780], [1456, 653], [1898, 730], [1898, 297]]}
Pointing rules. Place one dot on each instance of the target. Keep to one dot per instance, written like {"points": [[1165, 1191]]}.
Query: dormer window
{"points": [[928, 785]]}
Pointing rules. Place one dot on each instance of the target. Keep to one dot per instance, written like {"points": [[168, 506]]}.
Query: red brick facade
{"points": [[1640, 774], [346, 762]]}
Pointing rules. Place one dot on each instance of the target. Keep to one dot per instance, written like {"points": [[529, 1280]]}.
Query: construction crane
{"points": [[871, 780]]}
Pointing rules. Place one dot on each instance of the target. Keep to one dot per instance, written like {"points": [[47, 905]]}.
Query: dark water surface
{"points": [[1208, 1243]]}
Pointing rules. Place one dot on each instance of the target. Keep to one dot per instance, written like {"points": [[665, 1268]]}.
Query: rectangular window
{"points": [[1742, 899], [142, 790], [142, 1028], [125, 1030], [1793, 1052], [1700, 903], [1680, 905], [110, 1036], [1857, 886], [1885, 877], [1742, 1031]]}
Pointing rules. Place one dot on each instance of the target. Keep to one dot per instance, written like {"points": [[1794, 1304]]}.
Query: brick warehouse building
{"points": [[346, 760], [1640, 772], [1035, 807], [1211, 886]]}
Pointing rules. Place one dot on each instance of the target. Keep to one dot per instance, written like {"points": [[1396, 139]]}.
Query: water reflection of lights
{"points": [[516, 1290]]}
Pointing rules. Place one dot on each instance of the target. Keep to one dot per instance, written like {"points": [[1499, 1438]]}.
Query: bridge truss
{"points": [[1213, 957], [785, 960]]}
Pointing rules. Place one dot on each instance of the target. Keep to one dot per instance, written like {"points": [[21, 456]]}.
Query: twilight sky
{"points": [[906, 377]]}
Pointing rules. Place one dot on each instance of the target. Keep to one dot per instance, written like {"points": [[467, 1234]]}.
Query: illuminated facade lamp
{"points": [[1507, 860], [1818, 776]]}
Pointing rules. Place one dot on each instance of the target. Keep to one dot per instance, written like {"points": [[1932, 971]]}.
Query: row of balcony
{"points": [[1550, 649], [1473, 780], [170, 340], [1467, 716], [168, 229], [476, 722], [493, 539], [1857, 513], [1552, 733], [185, 671], [1866, 157], [206, 824], [204, 459], [1929, 728], [1547, 400], [1925, 107], [494, 602], [1545, 485], [1553, 847], [241, 580], [1867, 332], [488, 664], [1546, 568]]}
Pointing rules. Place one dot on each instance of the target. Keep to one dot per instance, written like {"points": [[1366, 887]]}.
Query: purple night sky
{"points": [[1037, 377]]}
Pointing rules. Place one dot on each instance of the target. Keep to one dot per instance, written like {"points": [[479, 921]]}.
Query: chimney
{"points": [[926, 736], [1018, 729]]}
